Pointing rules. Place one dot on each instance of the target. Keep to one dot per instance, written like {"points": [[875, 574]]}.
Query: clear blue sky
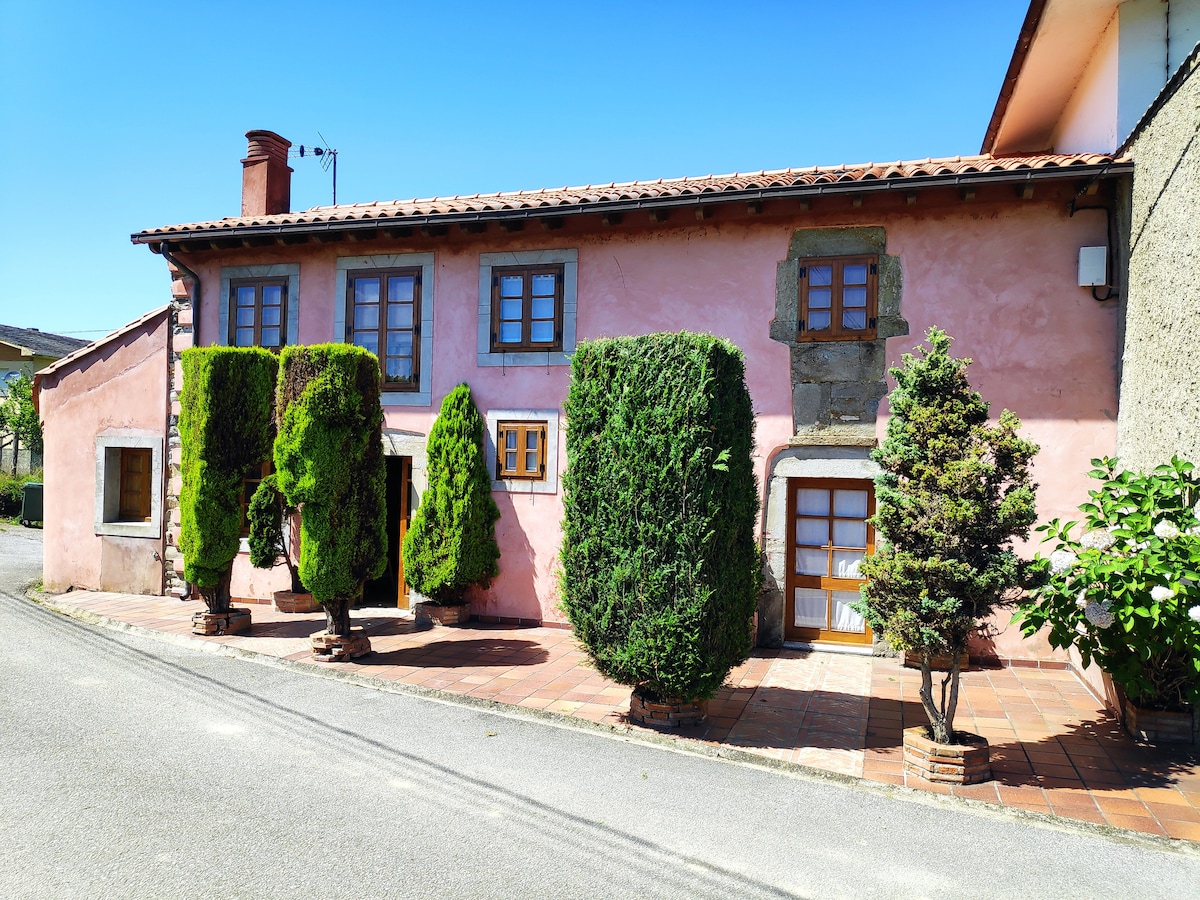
{"points": [[123, 116]]}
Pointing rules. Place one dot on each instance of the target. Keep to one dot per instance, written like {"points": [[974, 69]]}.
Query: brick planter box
{"points": [[289, 602], [669, 714], [1160, 726], [940, 663], [333, 648], [968, 762], [233, 622], [443, 614]]}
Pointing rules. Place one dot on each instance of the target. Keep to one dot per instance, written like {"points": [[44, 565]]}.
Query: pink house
{"points": [[823, 276]]}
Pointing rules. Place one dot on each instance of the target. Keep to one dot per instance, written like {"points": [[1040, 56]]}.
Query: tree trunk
{"points": [[337, 616], [941, 715], [216, 598]]}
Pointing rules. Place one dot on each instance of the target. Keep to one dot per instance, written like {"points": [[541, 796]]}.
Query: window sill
{"points": [[128, 529], [524, 358]]}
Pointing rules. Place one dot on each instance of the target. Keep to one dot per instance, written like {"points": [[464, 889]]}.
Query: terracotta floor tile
{"points": [[1135, 823], [1080, 813], [1186, 830]]}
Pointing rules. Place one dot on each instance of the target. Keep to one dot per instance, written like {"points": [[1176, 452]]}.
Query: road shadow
{"points": [[458, 654]]}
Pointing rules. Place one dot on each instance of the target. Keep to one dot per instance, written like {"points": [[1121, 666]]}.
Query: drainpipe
{"points": [[165, 250]]}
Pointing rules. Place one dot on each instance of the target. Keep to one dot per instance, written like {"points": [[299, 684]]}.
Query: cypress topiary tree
{"points": [[225, 430], [451, 543], [329, 464], [954, 492], [660, 569]]}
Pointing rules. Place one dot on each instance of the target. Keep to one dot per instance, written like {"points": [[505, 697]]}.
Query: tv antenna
{"points": [[328, 157]]}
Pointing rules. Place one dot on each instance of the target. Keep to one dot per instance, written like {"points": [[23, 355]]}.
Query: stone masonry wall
{"points": [[179, 338], [1160, 390]]}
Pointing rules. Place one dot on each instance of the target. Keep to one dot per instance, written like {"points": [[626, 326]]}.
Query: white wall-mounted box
{"points": [[1093, 266]]}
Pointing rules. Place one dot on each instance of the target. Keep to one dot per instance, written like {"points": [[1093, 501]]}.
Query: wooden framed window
{"points": [[258, 312], [383, 315], [527, 308], [249, 485], [838, 299], [136, 485], [831, 534], [521, 450]]}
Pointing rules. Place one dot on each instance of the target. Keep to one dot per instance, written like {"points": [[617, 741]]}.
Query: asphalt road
{"points": [[130, 767]]}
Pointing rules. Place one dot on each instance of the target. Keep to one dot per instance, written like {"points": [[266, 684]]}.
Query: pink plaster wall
{"points": [[120, 387], [997, 273]]}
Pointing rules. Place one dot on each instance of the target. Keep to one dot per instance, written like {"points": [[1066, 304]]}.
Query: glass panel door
{"points": [[830, 536]]}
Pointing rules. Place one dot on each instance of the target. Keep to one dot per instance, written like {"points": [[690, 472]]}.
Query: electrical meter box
{"points": [[1093, 266]]}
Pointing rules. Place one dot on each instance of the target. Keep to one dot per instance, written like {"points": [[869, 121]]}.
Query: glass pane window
{"points": [[522, 450], [258, 315], [383, 315], [527, 307], [838, 298]]}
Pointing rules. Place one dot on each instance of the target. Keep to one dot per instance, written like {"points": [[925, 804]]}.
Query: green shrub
{"points": [[451, 543], [225, 430], [12, 491], [329, 464], [1126, 591], [954, 492], [268, 542], [660, 570], [19, 417]]}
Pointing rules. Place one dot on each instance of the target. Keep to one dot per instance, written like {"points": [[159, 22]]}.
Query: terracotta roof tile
{"points": [[661, 188]]}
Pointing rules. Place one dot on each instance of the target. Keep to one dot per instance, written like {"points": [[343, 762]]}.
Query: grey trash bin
{"points": [[31, 503]]}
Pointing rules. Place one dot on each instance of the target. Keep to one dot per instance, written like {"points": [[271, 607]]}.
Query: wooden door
{"points": [[405, 516], [829, 537]]}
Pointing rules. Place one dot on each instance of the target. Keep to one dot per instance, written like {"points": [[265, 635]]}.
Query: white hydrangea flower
{"points": [[1061, 561], [1193, 531], [1196, 510], [1167, 530], [1194, 613], [1081, 601], [1160, 593], [1099, 539], [1099, 614], [1136, 546]]}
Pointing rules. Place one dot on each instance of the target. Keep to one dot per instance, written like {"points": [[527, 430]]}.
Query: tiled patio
{"points": [[1055, 749]]}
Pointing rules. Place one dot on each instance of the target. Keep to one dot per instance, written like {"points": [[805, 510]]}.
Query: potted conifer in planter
{"points": [[269, 545], [660, 569], [329, 465], [1123, 588], [954, 492], [451, 543], [225, 431]]}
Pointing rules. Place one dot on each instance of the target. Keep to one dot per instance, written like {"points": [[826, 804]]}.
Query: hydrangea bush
{"points": [[1123, 585]]}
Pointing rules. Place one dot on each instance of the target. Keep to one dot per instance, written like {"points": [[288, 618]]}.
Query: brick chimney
{"points": [[266, 178]]}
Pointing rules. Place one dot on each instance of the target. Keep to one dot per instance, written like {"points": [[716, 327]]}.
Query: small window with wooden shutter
{"points": [[521, 450], [136, 485], [838, 299]]}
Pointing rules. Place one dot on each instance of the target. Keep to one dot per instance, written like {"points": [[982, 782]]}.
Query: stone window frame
{"points": [[569, 260], [547, 417], [278, 271], [423, 395], [108, 485]]}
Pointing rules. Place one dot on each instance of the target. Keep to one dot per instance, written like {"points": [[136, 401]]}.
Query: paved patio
{"points": [[1055, 749]]}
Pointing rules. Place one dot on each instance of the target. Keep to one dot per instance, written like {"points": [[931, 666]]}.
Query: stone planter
{"points": [[967, 762], [328, 647], [670, 713], [290, 602], [235, 621], [443, 613], [1160, 726]]}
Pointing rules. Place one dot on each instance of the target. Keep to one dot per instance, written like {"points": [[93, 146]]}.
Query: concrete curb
{"points": [[673, 743]]}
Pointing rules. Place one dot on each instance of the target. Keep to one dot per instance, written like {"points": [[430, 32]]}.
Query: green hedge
{"points": [[225, 430], [12, 491], [451, 543], [329, 463], [660, 569]]}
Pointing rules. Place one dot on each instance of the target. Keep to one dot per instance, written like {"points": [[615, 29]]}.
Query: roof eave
{"points": [[566, 210], [1033, 18]]}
